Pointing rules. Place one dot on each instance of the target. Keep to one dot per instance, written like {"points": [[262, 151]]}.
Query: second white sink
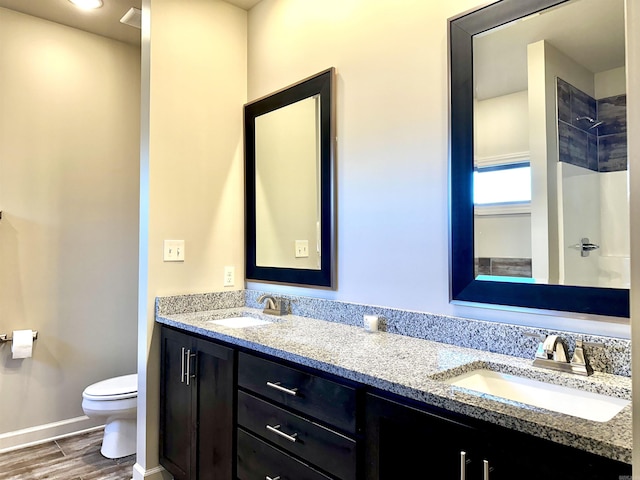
{"points": [[240, 322], [568, 400]]}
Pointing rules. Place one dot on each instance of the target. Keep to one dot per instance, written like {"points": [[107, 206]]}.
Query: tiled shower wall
{"points": [[601, 149]]}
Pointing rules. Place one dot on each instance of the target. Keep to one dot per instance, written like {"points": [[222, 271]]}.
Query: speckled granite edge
{"points": [[514, 340]]}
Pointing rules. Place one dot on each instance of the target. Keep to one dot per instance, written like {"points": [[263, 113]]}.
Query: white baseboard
{"points": [[45, 433], [156, 473]]}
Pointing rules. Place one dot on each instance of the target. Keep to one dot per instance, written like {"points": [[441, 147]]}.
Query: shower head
{"points": [[594, 123]]}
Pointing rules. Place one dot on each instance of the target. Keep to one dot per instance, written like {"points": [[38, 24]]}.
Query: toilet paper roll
{"points": [[22, 346]]}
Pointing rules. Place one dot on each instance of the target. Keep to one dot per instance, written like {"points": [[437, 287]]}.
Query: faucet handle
{"points": [[579, 359]]}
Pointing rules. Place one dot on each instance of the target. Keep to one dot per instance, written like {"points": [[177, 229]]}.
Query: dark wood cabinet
{"points": [[403, 438], [228, 413], [294, 424], [404, 442], [197, 393]]}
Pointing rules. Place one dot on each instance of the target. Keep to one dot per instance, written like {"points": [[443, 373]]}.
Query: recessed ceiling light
{"points": [[87, 4]]}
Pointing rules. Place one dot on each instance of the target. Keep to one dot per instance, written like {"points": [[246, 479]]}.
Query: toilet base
{"points": [[119, 438]]}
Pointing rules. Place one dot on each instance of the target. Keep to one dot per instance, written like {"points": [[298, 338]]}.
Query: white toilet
{"points": [[114, 402]]}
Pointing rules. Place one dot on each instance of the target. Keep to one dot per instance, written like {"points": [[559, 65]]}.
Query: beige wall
{"points": [[69, 143], [194, 86]]}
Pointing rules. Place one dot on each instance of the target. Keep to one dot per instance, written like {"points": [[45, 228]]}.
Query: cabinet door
{"points": [[177, 424], [530, 458], [215, 398], [403, 442]]}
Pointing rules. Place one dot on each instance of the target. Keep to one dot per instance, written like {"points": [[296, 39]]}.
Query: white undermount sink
{"points": [[240, 322], [568, 400]]}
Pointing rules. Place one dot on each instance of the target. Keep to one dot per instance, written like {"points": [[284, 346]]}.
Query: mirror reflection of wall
{"points": [[576, 150], [287, 193]]}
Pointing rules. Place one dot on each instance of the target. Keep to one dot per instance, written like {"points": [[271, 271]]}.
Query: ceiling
{"points": [[591, 32], [104, 21]]}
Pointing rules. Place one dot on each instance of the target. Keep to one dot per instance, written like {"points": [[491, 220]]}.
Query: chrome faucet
{"points": [[273, 305], [552, 353]]}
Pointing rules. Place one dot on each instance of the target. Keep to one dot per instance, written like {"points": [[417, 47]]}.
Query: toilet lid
{"points": [[114, 388]]}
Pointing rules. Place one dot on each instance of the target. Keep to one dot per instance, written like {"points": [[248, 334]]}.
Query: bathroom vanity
{"points": [[311, 399]]}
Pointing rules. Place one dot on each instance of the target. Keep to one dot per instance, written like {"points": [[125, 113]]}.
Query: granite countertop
{"points": [[416, 369]]}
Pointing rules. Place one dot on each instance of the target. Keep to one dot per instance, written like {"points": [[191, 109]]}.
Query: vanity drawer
{"points": [[258, 461], [325, 400], [305, 439]]}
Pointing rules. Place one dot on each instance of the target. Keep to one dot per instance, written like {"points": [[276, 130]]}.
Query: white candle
{"points": [[371, 323]]}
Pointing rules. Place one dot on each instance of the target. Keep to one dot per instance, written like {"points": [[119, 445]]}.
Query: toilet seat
{"points": [[117, 388]]}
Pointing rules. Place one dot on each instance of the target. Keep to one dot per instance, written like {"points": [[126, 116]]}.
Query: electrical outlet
{"points": [[173, 251], [229, 276], [302, 248]]}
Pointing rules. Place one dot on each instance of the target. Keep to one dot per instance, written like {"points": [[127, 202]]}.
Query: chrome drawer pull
{"points": [[189, 375], [274, 478], [463, 465], [276, 429], [182, 365], [486, 469], [277, 386]]}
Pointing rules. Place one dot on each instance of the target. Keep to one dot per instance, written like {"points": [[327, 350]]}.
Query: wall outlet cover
{"points": [[229, 276]]}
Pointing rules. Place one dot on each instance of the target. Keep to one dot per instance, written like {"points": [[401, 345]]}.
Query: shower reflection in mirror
{"points": [[554, 147]]}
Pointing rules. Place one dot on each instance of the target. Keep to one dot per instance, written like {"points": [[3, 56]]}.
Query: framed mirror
{"points": [[289, 184], [538, 96]]}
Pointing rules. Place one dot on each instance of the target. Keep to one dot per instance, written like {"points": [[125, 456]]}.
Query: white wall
{"points": [[69, 143], [501, 129], [194, 86], [501, 126], [502, 236], [392, 121]]}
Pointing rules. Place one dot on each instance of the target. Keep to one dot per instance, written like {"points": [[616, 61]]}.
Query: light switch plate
{"points": [[302, 248], [173, 251]]}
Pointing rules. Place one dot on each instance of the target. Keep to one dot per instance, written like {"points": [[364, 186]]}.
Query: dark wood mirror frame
{"points": [[321, 84], [463, 286]]}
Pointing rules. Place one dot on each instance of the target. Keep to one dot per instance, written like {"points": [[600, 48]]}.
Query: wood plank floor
{"points": [[73, 458]]}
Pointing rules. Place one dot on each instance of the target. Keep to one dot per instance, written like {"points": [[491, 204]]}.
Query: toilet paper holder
{"points": [[6, 338]]}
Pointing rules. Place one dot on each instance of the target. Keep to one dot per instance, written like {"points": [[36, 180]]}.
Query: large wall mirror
{"points": [[538, 157], [289, 155]]}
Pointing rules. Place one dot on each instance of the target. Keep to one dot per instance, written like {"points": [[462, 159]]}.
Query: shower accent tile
{"points": [[612, 111], [511, 267], [582, 105], [576, 147], [612, 152], [508, 267], [601, 149], [592, 153], [482, 266], [564, 101]]}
